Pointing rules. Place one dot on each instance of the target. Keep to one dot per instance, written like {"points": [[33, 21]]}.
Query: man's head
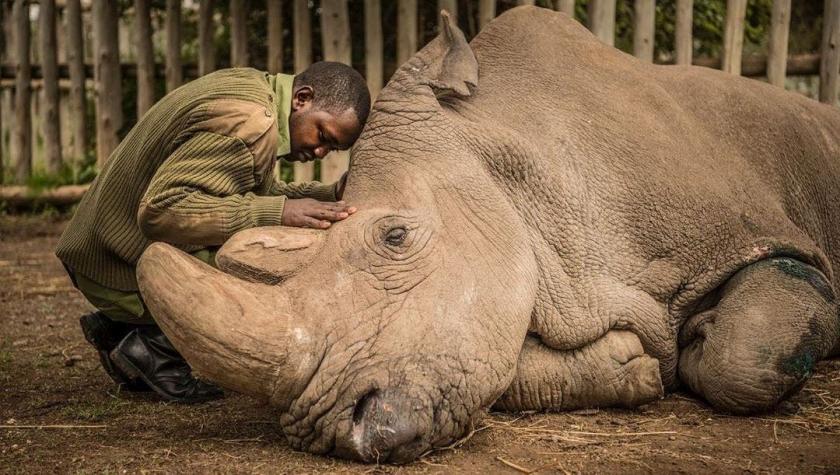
{"points": [[330, 104]]}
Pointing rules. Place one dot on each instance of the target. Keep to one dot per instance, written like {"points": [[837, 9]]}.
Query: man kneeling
{"points": [[197, 168]]}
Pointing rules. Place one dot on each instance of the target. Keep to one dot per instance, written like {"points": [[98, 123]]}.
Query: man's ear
{"points": [[302, 96]]}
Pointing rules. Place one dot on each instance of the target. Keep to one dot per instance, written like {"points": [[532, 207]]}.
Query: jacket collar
{"points": [[282, 86]]}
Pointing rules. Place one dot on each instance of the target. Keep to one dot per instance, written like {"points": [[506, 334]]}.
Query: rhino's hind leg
{"points": [[612, 371], [775, 319]]}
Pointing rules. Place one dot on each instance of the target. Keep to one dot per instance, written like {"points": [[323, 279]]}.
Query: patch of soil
{"points": [[59, 412]]}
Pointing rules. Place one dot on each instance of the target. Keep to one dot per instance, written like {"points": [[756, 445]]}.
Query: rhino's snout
{"points": [[386, 427]]}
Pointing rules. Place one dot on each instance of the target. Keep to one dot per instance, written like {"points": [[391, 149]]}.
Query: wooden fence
{"points": [[84, 61]]}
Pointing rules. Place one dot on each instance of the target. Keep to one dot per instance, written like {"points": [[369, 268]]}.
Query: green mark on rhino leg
{"points": [[803, 271], [799, 366]]}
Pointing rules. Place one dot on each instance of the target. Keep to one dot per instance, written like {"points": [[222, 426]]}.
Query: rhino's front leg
{"points": [[612, 371], [775, 319]]}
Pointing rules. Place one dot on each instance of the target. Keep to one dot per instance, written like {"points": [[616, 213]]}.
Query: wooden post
{"points": [[565, 6], [335, 33], [406, 30], [486, 12], [275, 36], [777, 52], [373, 46], [145, 57], [733, 38], [450, 6], [22, 137], [206, 52], [275, 49], [239, 33], [683, 35], [107, 75], [602, 20], [303, 58], [830, 62], [78, 96], [50, 125], [3, 53], [174, 71], [525, 2], [643, 29]]}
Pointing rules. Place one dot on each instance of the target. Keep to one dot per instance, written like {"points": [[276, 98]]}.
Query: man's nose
{"points": [[321, 151]]}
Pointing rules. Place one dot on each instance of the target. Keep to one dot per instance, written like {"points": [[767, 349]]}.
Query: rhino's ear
{"points": [[447, 64]]}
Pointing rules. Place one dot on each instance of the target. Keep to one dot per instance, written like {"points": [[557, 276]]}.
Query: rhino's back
{"points": [[682, 163]]}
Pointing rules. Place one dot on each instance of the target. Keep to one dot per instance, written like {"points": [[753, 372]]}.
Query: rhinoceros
{"points": [[545, 223]]}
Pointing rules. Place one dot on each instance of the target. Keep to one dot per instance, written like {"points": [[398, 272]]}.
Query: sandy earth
{"points": [[60, 413]]}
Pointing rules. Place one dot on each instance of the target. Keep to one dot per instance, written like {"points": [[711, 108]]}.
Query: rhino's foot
{"points": [[758, 345], [612, 371]]}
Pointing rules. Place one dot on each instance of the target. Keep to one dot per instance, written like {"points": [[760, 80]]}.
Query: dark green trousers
{"points": [[122, 305]]}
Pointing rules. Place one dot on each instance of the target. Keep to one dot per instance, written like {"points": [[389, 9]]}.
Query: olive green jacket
{"points": [[197, 168]]}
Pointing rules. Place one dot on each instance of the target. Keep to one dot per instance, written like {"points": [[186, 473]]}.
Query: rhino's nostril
{"points": [[384, 423], [361, 406]]}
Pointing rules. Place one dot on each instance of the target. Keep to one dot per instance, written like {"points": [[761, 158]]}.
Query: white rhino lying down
{"points": [[545, 223]]}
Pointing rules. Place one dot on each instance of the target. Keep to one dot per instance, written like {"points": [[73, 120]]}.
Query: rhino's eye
{"points": [[395, 236]]}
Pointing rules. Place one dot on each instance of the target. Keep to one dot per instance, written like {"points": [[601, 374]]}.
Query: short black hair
{"points": [[336, 88]]}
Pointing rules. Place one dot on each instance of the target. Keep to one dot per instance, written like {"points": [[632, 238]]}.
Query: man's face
{"points": [[314, 132]]}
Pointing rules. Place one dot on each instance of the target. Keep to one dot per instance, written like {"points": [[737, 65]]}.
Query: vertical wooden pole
{"points": [[4, 47], [486, 12], [525, 2], [683, 35], [602, 20], [565, 6], [238, 33], [107, 75], [50, 126], [174, 71], [450, 6], [303, 58], [643, 29], [275, 36], [373, 46], [779, 32], [78, 96], [275, 49], [335, 33], [830, 62], [145, 56], [22, 137], [733, 38], [206, 52], [406, 30]]}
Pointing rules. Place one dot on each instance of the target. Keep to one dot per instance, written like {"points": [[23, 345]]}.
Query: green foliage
{"points": [[709, 23]]}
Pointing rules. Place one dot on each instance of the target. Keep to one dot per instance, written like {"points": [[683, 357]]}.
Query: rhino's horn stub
{"points": [[236, 333], [269, 255]]}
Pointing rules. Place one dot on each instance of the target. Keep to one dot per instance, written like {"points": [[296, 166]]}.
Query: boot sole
{"points": [[127, 367], [92, 337]]}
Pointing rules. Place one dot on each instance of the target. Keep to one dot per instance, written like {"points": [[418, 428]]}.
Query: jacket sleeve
{"points": [[202, 194], [305, 189]]}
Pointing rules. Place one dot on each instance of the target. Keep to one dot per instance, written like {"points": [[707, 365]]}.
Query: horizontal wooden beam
{"points": [[7, 71], [753, 66], [798, 65], [25, 197]]}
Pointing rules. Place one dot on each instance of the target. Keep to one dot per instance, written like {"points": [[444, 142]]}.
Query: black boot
{"points": [[104, 334], [147, 354]]}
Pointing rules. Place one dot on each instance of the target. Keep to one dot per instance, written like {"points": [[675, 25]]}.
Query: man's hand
{"points": [[309, 213]]}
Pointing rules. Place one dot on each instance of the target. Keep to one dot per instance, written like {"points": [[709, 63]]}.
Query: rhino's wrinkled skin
{"points": [[545, 223]]}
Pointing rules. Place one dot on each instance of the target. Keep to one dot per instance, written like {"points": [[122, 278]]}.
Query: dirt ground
{"points": [[60, 413]]}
